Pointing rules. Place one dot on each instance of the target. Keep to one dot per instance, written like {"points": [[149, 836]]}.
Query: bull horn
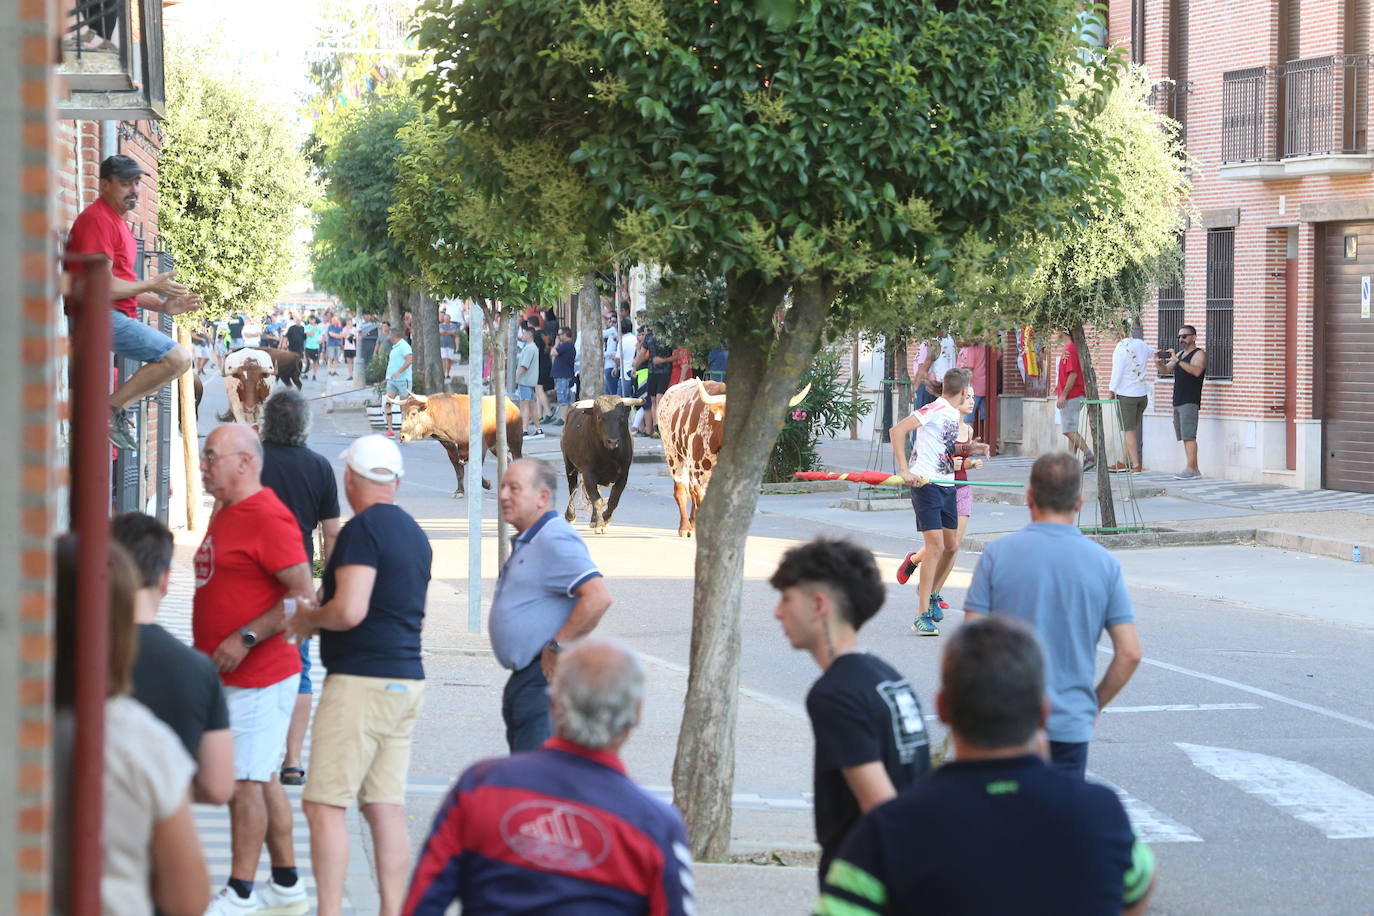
{"points": [[707, 397], [584, 403], [632, 402], [422, 398], [800, 396]]}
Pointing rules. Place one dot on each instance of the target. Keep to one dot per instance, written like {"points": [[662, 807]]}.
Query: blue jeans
{"points": [[525, 708], [612, 386], [137, 341], [305, 685], [1070, 757], [627, 388]]}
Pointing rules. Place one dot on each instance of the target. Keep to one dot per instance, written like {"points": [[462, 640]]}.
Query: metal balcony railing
{"points": [[1170, 98], [1326, 105], [112, 60], [1248, 114]]}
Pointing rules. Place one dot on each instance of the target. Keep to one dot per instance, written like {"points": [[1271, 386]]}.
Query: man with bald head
{"points": [[533, 832], [549, 594], [250, 572]]}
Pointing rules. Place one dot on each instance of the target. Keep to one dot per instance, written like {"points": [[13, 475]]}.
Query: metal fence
{"points": [[1247, 113], [1326, 105], [1221, 262]]}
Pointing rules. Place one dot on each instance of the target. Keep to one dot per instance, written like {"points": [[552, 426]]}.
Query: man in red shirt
{"points": [[101, 229], [1071, 391], [251, 570]]}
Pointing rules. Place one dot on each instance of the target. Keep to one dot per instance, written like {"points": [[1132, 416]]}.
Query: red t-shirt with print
{"points": [[1069, 363], [246, 545], [100, 230]]}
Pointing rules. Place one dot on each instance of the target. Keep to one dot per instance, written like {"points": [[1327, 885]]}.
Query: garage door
{"points": [[1348, 430]]}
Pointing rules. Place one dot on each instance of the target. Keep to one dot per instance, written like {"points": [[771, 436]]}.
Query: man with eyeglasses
{"points": [[1188, 363]]}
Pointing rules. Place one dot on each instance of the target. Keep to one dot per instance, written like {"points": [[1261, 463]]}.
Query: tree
{"points": [[232, 190], [809, 153]]}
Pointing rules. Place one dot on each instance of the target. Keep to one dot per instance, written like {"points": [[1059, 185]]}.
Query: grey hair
{"points": [[544, 475], [597, 689], [285, 419]]}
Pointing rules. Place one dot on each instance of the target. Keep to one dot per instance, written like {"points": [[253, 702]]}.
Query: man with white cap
{"points": [[373, 605]]}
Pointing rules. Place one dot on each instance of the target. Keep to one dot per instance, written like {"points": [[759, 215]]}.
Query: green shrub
{"points": [[375, 371], [829, 408]]}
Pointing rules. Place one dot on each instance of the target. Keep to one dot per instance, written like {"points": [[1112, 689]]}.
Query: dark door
{"points": [[1290, 358], [1348, 346]]}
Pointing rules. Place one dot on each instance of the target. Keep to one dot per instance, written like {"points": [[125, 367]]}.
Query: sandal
{"points": [[292, 776]]}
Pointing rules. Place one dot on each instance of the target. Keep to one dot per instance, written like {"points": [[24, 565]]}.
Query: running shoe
{"points": [[1187, 475], [275, 900], [925, 626], [908, 567], [936, 611]]}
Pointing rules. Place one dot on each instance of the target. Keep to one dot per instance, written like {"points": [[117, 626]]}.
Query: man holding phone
{"points": [[1188, 363]]}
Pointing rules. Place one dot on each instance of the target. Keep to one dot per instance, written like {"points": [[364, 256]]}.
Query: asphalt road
{"points": [[1242, 747]]}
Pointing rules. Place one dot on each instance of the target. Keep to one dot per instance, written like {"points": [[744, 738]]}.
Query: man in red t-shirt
{"points": [[1071, 390], [101, 229], [251, 570]]}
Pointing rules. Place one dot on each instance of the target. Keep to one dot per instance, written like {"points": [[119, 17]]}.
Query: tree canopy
{"points": [[233, 190]]}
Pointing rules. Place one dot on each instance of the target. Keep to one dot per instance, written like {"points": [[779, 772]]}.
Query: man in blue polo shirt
{"points": [[549, 594], [1014, 835]]}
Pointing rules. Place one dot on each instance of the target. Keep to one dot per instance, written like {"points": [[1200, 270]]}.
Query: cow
{"points": [[444, 417], [691, 419], [596, 444], [248, 375], [288, 365]]}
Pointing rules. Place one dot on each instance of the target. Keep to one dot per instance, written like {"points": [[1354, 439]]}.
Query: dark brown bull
{"points": [[691, 419], [596, 444], [444, 417], [288, 365]]}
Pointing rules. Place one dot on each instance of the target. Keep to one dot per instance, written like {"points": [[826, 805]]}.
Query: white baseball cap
{"points": [[374, 457]]}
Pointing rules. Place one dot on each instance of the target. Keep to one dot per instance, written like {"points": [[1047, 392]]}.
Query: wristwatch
{"points": [[554, 647], [250, 639]]}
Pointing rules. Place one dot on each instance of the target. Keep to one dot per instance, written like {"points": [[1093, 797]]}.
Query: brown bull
{"points": [[691, 419], [444, 417], [247, 384], [288, 365]]}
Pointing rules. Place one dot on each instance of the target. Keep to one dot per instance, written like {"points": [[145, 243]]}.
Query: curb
{"points": [[1155, 538], [804, 486], [1309, 543]]}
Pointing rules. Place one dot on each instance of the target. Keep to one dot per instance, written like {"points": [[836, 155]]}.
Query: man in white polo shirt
{"points": [[549, 594]]}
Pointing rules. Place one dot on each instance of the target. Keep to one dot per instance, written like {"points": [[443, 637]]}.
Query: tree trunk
{"points": [[500, 324], [393, 306], [589, 326], [903, 377], [1106, 508], [704, 769], [430, 377]]}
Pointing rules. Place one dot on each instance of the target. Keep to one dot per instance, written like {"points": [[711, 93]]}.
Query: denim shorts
{"points": [[136, 340], [397, 389], [564, 388], [524, 392]]}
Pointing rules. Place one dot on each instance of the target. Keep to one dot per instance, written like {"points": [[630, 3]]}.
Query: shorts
{"points": [[936, 507], [312, 353], [1073, 409], [334, 352], [524, 392], [397, 389], [360, 744], [963, 501], [137, 341], [259, 718], [658, 382], [203, 352], [236, 343], [1132, 410], [349, 354], [305, 685], [446, 353], [980, 409], [1185, 422], [564, 387]]}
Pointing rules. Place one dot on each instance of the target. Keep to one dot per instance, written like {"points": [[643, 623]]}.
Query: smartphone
{"points": [[1162, 354]]}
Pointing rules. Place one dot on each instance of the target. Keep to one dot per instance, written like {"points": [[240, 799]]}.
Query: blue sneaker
{"points": [[937, 608], [924, 626]]}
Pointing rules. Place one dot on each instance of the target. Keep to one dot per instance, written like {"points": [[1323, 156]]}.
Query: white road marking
{"points": [[1151, 824], [1256, 691], [1336, 808], [1185, 707]]}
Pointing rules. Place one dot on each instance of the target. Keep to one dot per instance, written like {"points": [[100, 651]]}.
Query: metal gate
{"points": [[1347, 328]]}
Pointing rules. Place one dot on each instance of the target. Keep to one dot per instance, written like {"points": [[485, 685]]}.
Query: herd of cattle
{"points": [[596, 442]]}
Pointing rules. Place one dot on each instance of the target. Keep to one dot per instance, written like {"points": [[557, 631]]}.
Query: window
{"points": [[1171, 303], [1221, 263]]}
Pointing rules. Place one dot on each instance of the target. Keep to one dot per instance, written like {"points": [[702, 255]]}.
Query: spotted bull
{"points": [[691, 419], [597, 447], [444, 417], [248, 376]]}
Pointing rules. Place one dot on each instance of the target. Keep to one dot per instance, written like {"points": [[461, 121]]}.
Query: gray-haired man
{"points": [[532, 832]]}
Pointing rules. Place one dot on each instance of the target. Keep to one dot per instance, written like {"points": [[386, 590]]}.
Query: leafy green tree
{"points": [[808, 152], [233, 190]]}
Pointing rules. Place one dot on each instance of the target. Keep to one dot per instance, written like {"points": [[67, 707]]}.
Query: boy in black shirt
{"points": [[1015, 835], [871, 740]]}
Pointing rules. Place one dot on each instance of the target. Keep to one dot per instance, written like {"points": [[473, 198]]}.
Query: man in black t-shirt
{"points": [[304, 481], [295, 336], [374, 605], [871, 739], [180, 685], [1015, 836]]}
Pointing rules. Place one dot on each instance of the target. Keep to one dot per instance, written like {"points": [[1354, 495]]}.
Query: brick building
{"points": [[1274, 102]]}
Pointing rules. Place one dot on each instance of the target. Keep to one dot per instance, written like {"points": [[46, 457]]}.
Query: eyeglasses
{"points": [[209, 458]]}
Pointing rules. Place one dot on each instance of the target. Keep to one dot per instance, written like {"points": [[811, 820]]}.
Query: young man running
{"points": [[932, 488]]}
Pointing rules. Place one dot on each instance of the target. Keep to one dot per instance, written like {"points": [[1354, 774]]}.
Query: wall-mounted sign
{"points": [[1364, 297]]}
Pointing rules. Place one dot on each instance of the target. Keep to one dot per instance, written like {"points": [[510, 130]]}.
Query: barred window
{"points": [[1221, 264], [1171, 316]]}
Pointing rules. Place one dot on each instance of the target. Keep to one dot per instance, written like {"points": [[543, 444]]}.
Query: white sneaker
{"points": [[228, 903], [275, 900]]}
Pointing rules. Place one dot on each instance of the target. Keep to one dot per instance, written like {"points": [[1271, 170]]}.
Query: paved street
{"points": [[1244, 747]]}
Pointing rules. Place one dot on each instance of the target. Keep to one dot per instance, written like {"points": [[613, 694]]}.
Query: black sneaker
{"points": [[122, 429]]}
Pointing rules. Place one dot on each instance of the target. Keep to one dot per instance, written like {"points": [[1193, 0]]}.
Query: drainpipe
{"points": [[109, 138], [91, 513]]}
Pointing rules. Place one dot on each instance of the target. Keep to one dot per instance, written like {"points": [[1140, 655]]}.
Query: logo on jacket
{"points": [[555, 836]]}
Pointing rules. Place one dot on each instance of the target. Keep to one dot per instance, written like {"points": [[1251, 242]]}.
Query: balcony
{"points": [[1309, 117], [1170, 98], [111, 66]]}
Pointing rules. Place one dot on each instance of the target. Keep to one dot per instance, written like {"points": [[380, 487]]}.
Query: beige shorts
{"points": [[360, 745]]}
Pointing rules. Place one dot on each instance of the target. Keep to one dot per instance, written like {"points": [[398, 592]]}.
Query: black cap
{"points": [[120, 167]]}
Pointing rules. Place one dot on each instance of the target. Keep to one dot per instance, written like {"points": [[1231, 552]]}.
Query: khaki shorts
{"points": [[1073, 409], [360, 746], [1185, 422], [1132, 409]]}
